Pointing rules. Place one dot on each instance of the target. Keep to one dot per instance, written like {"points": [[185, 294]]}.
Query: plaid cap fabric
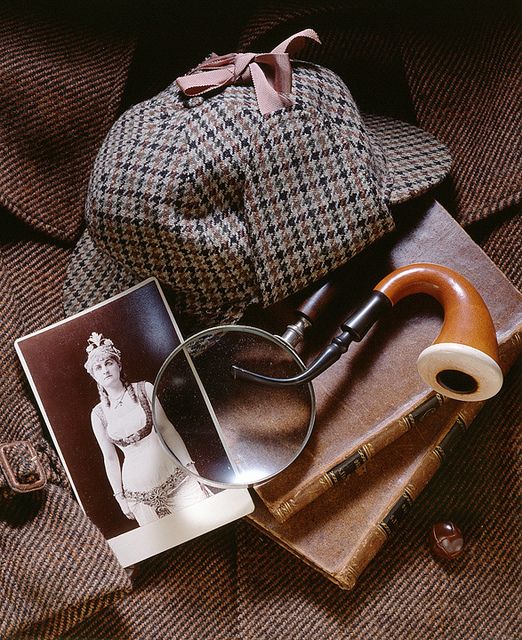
{"points": [[227, 207]]}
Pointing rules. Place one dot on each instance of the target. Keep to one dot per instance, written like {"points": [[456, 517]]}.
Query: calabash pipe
{"points": [[461, 363]]}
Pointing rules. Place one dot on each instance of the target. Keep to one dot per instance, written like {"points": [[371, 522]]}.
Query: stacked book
{"points": [[381, 434]]}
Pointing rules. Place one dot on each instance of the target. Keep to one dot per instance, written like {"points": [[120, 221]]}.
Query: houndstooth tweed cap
{"points": [[229, 207]]}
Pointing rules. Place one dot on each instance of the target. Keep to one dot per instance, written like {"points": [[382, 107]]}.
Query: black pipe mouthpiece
{"points": [[361, 321]]}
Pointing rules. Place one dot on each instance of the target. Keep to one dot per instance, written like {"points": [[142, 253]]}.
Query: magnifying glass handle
{"points": [[310, 310], [313, 306]]}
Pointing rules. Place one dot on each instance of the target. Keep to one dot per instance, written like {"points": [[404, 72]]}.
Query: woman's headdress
{"points": [[98, 348]]}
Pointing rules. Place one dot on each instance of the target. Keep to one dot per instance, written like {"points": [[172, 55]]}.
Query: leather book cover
{"points": [[342, 531], [374, 394]]}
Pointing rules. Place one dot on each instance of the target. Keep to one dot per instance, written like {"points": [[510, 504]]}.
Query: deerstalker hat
{"points": [[237, 194]]}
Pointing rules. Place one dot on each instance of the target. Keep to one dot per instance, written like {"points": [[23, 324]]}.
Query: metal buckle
{"points": [[12, 481]]}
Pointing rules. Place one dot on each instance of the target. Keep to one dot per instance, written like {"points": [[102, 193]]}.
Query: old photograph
{"points": [[92, 375]]}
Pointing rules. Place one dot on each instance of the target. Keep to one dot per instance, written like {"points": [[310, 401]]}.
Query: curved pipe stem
{"points": [[326, 358]]}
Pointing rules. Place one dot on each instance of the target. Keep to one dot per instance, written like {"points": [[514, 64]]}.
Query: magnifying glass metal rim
{"points": [[227, 328]]}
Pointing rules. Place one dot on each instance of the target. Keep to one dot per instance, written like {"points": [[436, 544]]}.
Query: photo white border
{"points": [[183, 525]]}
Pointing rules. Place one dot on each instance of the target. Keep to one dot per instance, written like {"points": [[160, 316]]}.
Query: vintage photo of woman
{"points": [[147, 485]]}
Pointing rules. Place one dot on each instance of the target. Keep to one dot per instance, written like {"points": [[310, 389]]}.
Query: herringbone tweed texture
{"points": [[55, 569], [53, 119]]}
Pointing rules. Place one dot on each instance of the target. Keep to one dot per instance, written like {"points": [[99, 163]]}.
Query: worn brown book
{"points": [[374, 394], [342, 531]]}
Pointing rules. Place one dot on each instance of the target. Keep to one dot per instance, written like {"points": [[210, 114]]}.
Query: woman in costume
{"points": [[148, 485]]}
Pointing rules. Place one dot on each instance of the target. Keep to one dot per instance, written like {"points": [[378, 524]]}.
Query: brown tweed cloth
{"points": [[503, 245], [61, 81], [55, 568], [187, 593], [208, 588], [54, 564]]}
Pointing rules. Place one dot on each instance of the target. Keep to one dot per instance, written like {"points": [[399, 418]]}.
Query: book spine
{"points": [[356, 460], [428, 467]]}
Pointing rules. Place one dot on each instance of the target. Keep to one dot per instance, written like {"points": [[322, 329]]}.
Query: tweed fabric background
{"points": [[54, 564], [55, 569], [237, 584], [503, 245]]}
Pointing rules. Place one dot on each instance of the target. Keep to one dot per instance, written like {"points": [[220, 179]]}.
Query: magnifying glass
{"points": [[242, 401], [238, 434]]}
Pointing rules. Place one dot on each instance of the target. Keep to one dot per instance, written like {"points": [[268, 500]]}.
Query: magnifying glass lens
{"points": [[236, 433]]}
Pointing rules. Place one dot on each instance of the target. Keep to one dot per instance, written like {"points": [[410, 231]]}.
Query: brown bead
{"points": [[446, 540]]}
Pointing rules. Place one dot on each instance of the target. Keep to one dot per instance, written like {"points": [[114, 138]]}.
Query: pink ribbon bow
{"points": [[270, 73]]}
